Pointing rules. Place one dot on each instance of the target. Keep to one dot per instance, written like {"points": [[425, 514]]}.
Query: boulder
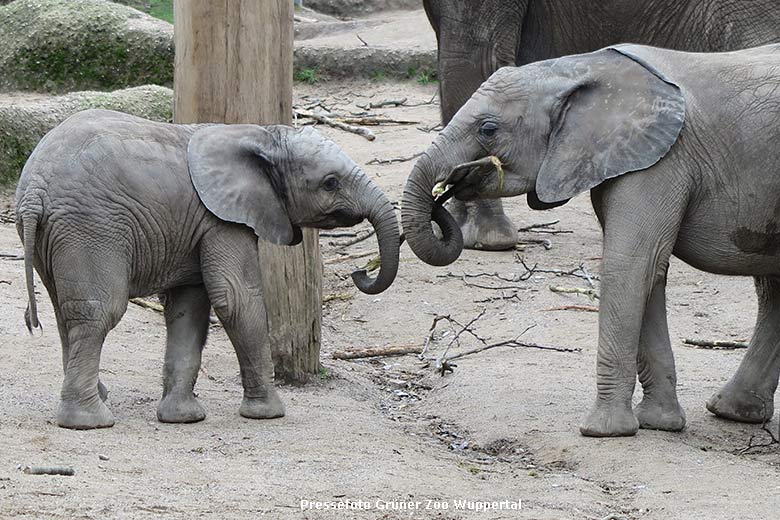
{"points": [[25, 119], [64, 45], [348, 8]]}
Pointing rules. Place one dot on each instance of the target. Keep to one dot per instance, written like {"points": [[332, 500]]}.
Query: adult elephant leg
{"points": [[91, 300], [484, 224], [659, 408], [187, 323], [749, 394], [231, 274]]}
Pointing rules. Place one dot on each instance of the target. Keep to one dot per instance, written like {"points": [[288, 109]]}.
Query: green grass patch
{"points": [[310, 76]]}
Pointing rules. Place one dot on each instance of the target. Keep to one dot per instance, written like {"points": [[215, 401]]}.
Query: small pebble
{"points": [[103, 457]]}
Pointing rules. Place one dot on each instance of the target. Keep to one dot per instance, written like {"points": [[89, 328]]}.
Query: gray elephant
{"points": [[110, 206], [476, 38], [700, 132]]}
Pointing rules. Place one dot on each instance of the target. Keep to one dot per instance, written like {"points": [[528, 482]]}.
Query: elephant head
{"points": [[474, 39], [558, 127], [277, 179]]}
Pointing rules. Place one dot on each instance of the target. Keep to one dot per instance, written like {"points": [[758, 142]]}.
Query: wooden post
{"points": [[234, 64]]}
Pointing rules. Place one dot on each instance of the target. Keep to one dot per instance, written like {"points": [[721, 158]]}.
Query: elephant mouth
{"points": [[466, 180]]}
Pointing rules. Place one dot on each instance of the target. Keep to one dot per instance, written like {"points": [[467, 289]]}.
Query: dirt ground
{"points": [[391, 431]]}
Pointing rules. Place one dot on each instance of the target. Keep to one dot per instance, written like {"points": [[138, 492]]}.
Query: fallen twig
{"points": [[344, 258], [364, 132], [11, 256], [772, 438], [536, 226], [715, 345], [590, 293], [391, 350], [146, 304], [583, 308], [5, 282], [338, 234], [394, 160], [364, 42], [547, 244], [383, 103], [337, 296], [356, 240], [66, 471], [463, 277], [373, 121], [441, 360]]}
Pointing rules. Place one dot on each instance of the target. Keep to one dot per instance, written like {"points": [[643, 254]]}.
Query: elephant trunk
{"points": [[419, 209], [381, 213]]}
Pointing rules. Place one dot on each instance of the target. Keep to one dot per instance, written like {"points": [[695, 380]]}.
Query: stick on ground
{"points": [[715, 345], [391, 350], [364, 132], [66, 471]]}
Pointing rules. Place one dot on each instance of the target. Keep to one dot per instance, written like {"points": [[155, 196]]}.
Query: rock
{"points": [[24, 120], [62, 45], [347, 8], [371, 62]]}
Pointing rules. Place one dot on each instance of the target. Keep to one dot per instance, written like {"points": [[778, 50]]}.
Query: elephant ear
{"points": [[618, 115], [233, 170]]}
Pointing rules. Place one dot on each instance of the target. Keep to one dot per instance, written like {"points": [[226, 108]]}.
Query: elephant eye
{"points": [[488, 129], [330, 184]]}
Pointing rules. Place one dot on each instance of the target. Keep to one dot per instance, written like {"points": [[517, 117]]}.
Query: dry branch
{"points": [[394, 160], [583, 308], [364, 132], [146, 304], [715, 345], [11, 256], [590, 293], [66, 471], [338, 296], [391, 350], [537, 226], [383, 103], [356, 240], [373, 121], [345, 258]]}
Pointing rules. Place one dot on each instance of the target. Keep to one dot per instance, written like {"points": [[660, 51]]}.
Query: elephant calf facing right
{"points": [[110, 207]]}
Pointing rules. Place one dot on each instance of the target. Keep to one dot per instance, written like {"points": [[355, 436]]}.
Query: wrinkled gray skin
{"points": [[476, 38], [110, 207], [700, 133]]}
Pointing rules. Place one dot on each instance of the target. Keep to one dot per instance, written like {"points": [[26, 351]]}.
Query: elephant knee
{"points": [[224, 298]]}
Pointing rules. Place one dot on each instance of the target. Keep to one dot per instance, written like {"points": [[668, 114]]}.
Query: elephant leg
{"points": [[659, 408], [187, 324], [231, 274], [641, 219], [89, 305], [62, 329], [749, 394], [484, 224]]}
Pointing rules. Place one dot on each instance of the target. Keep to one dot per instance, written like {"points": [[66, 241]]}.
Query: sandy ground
{"points": [[503, 426]]}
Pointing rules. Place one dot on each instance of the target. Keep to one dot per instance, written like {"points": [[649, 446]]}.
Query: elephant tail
{"points": [[29, 228]]}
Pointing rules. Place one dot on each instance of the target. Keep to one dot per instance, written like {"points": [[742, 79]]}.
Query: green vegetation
{"points": [[309, 76], [162, 9], [23, 124], [377, 75], [324, 373], [423, 76], [63, 45]]}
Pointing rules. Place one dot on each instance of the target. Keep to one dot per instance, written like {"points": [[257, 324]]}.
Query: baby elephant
{"points": [[111, 207], [701, 132]]}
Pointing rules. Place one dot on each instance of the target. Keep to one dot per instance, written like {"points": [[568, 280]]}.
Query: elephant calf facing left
{"points": [[110, 207]]}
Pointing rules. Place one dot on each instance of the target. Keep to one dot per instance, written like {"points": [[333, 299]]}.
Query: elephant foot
{"points": [[654, 415], [740, 404], [483, 224], [180, 408], [610, 420], [77, 415], [102, 391], [268, 407]]}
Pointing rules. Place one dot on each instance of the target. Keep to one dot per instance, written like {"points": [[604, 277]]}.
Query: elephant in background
{"points": [[111, 206], [476, 38], [680, 154]]}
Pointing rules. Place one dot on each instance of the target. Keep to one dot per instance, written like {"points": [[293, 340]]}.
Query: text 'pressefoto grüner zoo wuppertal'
{"points": [[412, 505]]}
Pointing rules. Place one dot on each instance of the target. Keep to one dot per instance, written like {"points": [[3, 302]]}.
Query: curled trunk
{"points": [[419, 209], [381, 214]]}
